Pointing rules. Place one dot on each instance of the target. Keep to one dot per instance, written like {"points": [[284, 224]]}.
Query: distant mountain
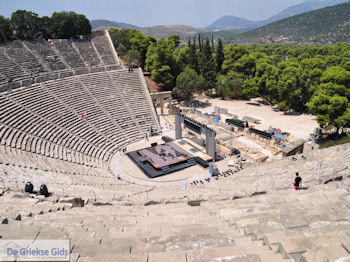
{"points": [[237, 23], [306, 6], [323, 26], [157, 31], [230, 23], [166, 30], [101, 24]]}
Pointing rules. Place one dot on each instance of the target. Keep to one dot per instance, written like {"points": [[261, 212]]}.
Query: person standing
{"points": [[297, 181]]}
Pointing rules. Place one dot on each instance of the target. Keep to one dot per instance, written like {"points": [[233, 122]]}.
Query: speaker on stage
{"points": [[29, 187], [43, 190]]}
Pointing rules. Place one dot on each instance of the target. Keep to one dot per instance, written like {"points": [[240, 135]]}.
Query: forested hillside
{"points": [[313, 79], [328, 25]]}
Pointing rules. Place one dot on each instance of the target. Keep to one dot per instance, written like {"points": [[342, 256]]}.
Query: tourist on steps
{"points": [[297, 181]]}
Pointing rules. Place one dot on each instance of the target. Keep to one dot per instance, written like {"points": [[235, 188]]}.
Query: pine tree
{"points": [[219, 56]]}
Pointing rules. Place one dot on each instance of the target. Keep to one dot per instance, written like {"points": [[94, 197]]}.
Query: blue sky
{"points": [[198, 13]]}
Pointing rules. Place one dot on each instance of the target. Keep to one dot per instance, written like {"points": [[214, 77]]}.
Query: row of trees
{"points": [[313, 79], [26, 25]]}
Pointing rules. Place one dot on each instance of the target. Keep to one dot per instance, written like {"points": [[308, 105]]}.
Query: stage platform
{"points": [[193, 148], [161, 159]]}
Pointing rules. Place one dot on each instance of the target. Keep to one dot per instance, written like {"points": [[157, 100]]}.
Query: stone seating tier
{"points": [[25, 62], [258, 229], [57, 129]]}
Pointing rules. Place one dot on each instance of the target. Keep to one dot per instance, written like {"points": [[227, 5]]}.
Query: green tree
{"points": [[140, 43], [331, 100], [175, 39], [5, 30], [69, 24], [220, 57], [45, 24], [289, 88], [232, 54], [122, 51], [193, 57], [250, 89], [26, 25], [133, 58], [207, 66], [182, 56], [161, 62], [187, 83], [245, 65], [229, 86], [121, 37], [83, 26]]}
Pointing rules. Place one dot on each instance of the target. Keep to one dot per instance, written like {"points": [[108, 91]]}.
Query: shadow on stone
{"points": [[194, 203], [258, 193], [151, 203]]}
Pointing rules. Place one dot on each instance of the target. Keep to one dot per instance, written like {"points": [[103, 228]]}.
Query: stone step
{"points": [[326, 252], [174, 256], [235, 253], [19, 232], [294, 248], [115, 257]]}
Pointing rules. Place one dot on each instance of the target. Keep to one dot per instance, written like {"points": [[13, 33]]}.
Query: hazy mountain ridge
{"points": [[229, 22], [102, 24], [323, 26], [157, 31], [234, 23]]}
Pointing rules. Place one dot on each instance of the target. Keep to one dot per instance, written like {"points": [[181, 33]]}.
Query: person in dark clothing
{"points": [[297, 181]]}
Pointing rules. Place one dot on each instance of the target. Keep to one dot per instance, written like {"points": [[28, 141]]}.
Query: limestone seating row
{"points": [[57, 123], [24, 58], [10, 70], [27, 61], [105, 92], [65, 48], [55, 129], [174, 232], [62, 178], [294, 223], [34, 102], [14, 207], [43, 128], [100, 186], [25, 141], [83, 103], [104, 49], [88, 53], [47, 54], [16, 157], [279, 174], [32, 99], [135, 99]]}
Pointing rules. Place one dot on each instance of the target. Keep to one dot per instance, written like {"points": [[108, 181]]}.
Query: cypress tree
{"points": [[219, 56], [199, 42], [212, 43], [193, 59], [207, 65]]}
